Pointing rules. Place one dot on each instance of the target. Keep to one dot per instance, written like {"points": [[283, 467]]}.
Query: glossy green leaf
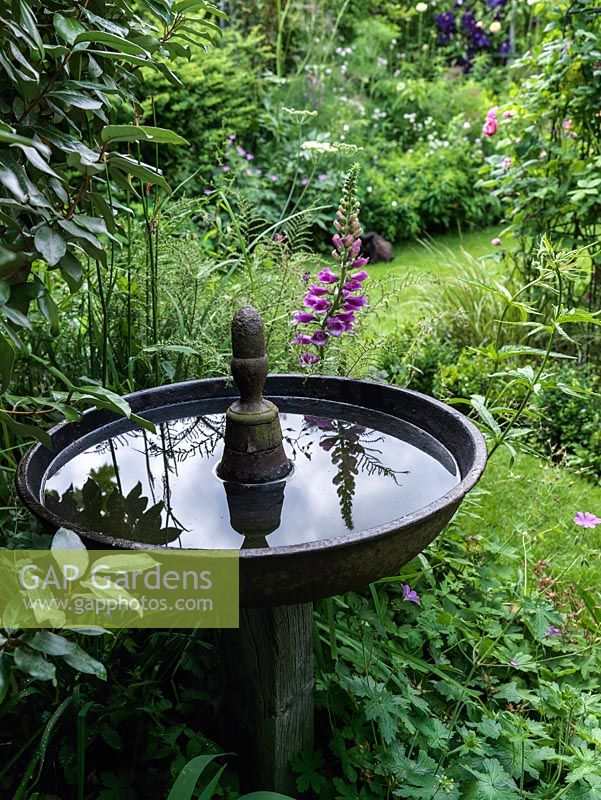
{"points": [[141, 133], [144, 172], [67, 28], [49, 643], [76, 99], [50, 244], [82, 662], [71, 270], [116, 42], [34, 664]]}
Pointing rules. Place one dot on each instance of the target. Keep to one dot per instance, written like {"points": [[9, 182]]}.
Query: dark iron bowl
{"points": [[295, 573]]}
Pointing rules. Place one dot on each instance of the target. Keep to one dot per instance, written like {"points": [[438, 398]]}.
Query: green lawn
{"points": [[418, 267], [532, 504]]}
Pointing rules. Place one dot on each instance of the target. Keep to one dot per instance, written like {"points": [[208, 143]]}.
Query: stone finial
{"points": [[253, 451], [249, 362]]}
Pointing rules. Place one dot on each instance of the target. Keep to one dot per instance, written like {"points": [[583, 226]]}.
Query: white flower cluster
{"points": [[379, 114], [313, 146], [343, 51]]}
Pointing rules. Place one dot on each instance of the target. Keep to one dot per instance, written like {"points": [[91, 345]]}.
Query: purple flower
{"points": [[208, 191], [249, 157], [347, 317], [225, 168], [274, 177], [360, 262], [553, 631], [301, 338], [231, 136], [304, 316], [307, 359], [318, 291], [241, 151], [513, 662], [327, 276], [356, 248], [322, 177], [320, 338], [319, 304], [410, 594], [337, 241], [354, 303], [304, 181], [359, 276], [586, 520], [352, 286], [337, 326]]}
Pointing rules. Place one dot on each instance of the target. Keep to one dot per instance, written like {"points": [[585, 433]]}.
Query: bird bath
{"points": [[325, 487]]}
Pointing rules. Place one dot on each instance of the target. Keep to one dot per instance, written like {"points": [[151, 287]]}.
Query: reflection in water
{"points": [[162, 488], [101, 506], [353, 449]]}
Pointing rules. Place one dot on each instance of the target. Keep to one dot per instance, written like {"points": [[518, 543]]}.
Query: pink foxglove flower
{"points": [[334, 298]]}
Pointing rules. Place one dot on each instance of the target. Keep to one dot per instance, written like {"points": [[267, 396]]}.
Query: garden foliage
{"points": [[474, 674]]}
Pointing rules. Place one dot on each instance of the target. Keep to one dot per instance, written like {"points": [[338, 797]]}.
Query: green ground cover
{"points": [[536, 501]]}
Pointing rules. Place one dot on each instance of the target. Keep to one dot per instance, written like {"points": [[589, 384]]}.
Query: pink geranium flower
{"points": [[586, 520], [410, 594]]}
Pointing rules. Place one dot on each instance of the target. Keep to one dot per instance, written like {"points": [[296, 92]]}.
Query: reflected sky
{"points": [[162, 489]]}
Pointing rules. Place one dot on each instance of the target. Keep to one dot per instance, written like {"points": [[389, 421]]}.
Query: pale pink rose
{"points": [[495, 242], [509, 113], [490, 127], [506, 163]]}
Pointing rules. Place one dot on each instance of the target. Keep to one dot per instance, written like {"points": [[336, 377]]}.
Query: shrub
{"points": [[430, 186], [219, 96], [544, 160], [571, 423]]}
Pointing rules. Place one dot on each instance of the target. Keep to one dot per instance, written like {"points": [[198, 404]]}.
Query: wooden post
{"points": [[267, 715]]}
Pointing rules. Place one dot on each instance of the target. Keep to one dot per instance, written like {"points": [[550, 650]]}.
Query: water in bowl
{"points": [[161, 489]]}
